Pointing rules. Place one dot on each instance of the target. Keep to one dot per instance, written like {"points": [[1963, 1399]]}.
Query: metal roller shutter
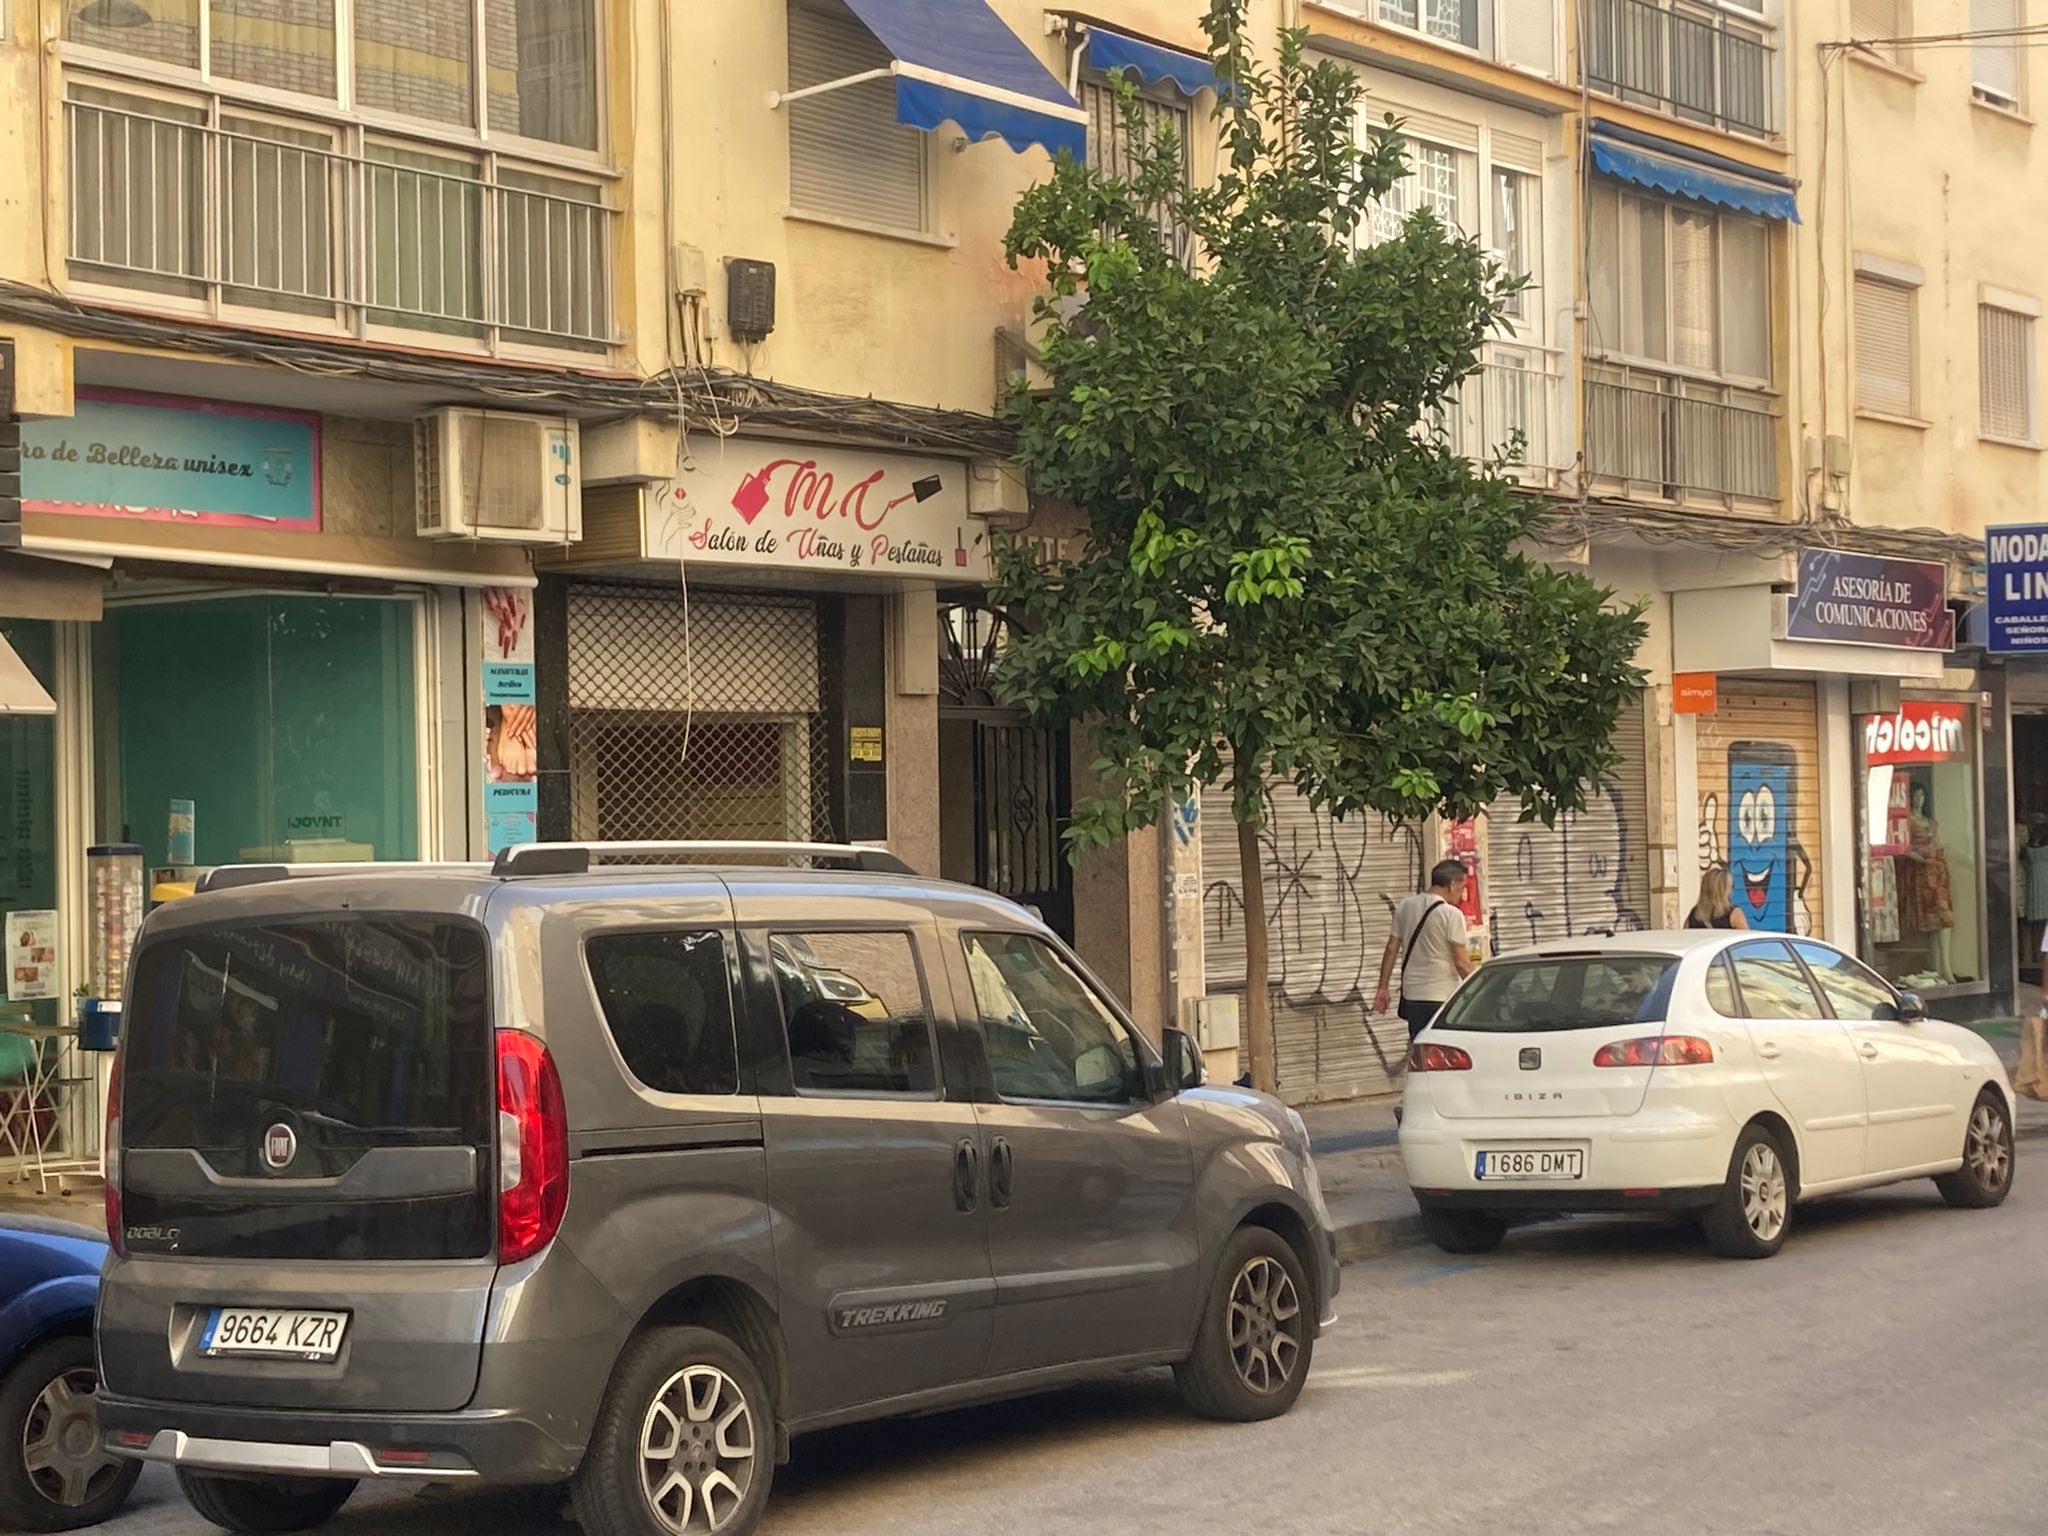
{"points": [[1588, 874], [1330, 890], [848, 156], [1760, 809]]}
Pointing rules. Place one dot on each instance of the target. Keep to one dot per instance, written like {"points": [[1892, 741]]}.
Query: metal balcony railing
{"points": [[1675, 438], [1700, 63], [249, 213], [1513, 407]]}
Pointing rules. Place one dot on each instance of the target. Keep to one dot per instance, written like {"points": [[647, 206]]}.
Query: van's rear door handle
{"points": [[966, 1174], [1769, 1050]]}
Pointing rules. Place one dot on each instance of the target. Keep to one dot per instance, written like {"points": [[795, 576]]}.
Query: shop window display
{"points": [[1920, 845]]}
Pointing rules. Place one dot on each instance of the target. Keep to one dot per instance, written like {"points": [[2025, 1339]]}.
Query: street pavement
{"points": [[1877, 1378]]}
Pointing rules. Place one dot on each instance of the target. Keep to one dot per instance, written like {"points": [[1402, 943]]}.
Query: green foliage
{"points": [[1288, 572]]}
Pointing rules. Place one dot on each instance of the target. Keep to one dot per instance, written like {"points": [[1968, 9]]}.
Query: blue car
{"points": [[54, 1474]]}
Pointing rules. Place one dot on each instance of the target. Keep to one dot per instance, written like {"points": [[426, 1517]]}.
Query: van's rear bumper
{"points": [[438, 1447]]}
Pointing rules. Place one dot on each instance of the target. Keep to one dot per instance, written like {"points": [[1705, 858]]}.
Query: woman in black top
{"points": [[1715, 909]]}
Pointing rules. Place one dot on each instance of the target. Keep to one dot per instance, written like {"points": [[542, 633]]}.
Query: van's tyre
{"points": [[1257, 1334], [1985, 1178], [266, 1506], [1753, 1213], [1463, 1231], [687, 1416], [47, 1415]]}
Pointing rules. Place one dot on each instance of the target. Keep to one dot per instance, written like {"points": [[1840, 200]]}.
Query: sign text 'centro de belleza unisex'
{"points": [[1851, 599], [800, 506]]}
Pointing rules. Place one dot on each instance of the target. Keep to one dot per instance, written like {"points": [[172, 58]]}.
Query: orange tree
{"points": [[1289, 576]]}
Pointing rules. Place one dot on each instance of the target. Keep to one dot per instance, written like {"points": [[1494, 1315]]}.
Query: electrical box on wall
{"points": [[497, 476], [1216, 1027], [749, 298]]}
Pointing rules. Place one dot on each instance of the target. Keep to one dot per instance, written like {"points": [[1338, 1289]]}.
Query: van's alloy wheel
{"points": [[1265, 1325], [1256, 1338], [697, 1450]]}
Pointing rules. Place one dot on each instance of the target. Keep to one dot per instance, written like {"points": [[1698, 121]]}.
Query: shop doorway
{"points": [[2030, 855], [1004, 785]]}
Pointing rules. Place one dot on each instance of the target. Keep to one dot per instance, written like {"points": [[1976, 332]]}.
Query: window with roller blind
{"points": [[1878, 22], [2005, 374], [1887, 369], [848, 156], [1995, 51], [1679, 284]]}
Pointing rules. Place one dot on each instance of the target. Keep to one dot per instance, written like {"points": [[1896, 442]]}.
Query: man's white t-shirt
{"points": [[1431, 972]]}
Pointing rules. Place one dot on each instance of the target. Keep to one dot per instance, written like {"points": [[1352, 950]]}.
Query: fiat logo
{"points": [[280, 1146]]}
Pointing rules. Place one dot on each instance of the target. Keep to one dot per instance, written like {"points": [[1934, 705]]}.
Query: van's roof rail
{"points": [[529, 859], [228, 877]]}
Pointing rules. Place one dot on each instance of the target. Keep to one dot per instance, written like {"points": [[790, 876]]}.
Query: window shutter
{"points": [[1873, 18], [1694, 290], [2005, 374], [1528, 34], [848, 156], [1745, 298], [1884, 346], [1995, 61]]}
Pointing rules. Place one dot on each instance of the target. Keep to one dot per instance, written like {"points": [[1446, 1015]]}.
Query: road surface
{"points": [[1885, 1374]]}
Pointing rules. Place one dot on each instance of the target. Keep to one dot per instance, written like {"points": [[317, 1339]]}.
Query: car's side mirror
{"points": [[1911, 1009], [1183, 1060]]}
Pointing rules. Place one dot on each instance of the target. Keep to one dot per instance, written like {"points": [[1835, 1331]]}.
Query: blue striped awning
{"points": [[1153, 63], [1671, 170], [956, 62]]}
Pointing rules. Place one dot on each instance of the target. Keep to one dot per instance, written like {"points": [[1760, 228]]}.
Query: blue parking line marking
{"points": [[1439, 1272]]}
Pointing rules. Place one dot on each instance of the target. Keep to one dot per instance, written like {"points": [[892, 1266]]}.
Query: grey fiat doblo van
{"points": [[623, 1175]]}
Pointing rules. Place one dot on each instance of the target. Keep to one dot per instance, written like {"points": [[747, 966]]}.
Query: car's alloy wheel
{"points": [[1765, 1198], [1988, 1151], [1265, 1325], [60, 1443], [697, 1450]]}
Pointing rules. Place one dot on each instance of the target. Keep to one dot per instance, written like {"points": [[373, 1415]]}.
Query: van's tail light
{"points": [[110, 1150], [1656, 1051], [533, 1147], [1424, 1056]]}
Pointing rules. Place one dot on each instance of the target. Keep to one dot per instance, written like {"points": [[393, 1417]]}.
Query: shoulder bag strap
{"points": [[1420, 923]]}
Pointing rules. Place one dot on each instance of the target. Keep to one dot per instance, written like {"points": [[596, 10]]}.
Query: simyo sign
{"points": [[2016, 588]]}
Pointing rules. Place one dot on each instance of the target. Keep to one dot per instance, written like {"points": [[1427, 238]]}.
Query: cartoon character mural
{"points": [[1755, 819]]}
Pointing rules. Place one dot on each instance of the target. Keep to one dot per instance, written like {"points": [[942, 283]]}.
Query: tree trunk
{"points": [[1258, 1000]]}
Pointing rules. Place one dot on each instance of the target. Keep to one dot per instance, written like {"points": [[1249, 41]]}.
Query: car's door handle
{"points": [[1769, 1050], [966, 1174], [1870, 1052], [1001, 1163]]}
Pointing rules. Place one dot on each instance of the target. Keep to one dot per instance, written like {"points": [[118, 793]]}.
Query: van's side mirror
{"points": [[1911, 1009], [1183, 1060]]}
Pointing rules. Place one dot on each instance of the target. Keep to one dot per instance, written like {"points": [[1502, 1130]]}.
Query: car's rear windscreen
{"points": [[311, 1088], [1576, 992]]}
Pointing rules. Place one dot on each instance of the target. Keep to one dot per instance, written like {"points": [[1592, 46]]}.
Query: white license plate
{"points": [[282, 1334], [1507, 1163]]}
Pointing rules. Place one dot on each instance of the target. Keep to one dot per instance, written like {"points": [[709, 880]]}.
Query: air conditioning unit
{"points": [[498, 476]]}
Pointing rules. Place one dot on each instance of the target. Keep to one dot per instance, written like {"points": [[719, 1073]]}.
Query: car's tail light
{"points": [[1426, 1056], [110, 1150], [533, 1147], [1655, 1051]]}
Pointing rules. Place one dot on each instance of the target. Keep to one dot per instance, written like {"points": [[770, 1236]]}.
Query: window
{"points": [[853, 1005], [1887, 372], [667, 1000], [848, 156], [1773, 985], [1699, 62], [1536, 995], [1721, 989], [1049, 1036], [1517, 213], [2005, 374], [1852, 991], [1437, 180], [1455, 21], [1879, 21], [1675, 283], [1995, 51], [413, 58], [1109, 152]]}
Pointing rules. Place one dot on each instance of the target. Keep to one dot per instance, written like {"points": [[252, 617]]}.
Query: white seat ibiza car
{"points": [[1729, 1076]]}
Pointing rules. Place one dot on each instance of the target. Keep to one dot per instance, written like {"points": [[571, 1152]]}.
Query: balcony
{"points": [[1522, 33], [1671, 437], [317, 226], [1701, 63], [1514, 407]]}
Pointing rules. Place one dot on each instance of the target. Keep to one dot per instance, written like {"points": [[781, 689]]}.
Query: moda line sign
{"points": [[2016, 588]]}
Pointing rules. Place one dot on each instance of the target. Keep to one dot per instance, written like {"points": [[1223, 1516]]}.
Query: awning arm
{"points": [[777, 98]]}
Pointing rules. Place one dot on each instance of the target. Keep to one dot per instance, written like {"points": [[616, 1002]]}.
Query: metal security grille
{"points": [[698, 718]]}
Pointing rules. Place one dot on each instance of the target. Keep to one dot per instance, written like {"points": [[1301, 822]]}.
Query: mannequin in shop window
{"points": [[1926, 901], [2034, 888]]}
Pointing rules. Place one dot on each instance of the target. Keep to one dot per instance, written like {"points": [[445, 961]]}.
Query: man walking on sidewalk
{"points": [[1429, 935]]}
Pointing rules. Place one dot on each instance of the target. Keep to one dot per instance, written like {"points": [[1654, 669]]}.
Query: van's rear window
{"points": [[1583, 992]]}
